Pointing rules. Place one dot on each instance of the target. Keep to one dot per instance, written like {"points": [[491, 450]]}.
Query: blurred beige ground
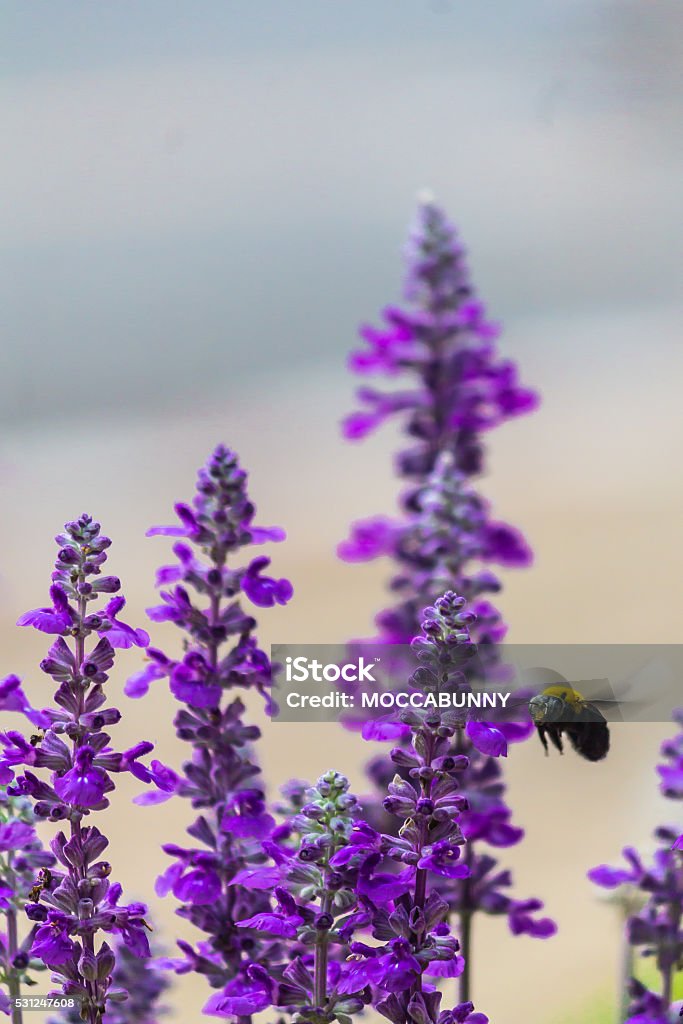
{"points": [[608, 569]]}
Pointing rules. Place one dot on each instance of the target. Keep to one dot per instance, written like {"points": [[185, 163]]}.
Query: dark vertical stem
{"points": [[465, 912], [94, 1015], [667, 968], [213, 648], [12, 976], [626, 971], [421, 874], [321, 952], [420, 888], [667, 982], [419, 901], [464, 982]]}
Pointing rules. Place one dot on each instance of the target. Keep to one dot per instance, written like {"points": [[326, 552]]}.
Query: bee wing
{"points": [[654, 688], [612, 702], [532, 682], [540, 678]]}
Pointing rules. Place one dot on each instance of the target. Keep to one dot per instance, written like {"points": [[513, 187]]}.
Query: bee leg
{"points": [[541, 730], [556, 738]]}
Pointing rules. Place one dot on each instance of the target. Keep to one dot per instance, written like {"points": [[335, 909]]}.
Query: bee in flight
{"points": [[560, 709]]}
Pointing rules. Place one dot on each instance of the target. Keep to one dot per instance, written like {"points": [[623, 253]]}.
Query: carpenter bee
{"points": [[562, 709]]}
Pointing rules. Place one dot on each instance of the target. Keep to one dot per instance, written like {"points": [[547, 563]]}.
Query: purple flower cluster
{"points": [[445, 344], [145, 985], [22, 858], [656, 929], [337, 881], [446, 538], [202, 595], [75, 901], [446, 530], [459, 388]]}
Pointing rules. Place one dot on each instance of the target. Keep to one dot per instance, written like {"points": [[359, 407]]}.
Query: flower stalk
{"points": [[75, 904], [454, 388], [202, 594]]}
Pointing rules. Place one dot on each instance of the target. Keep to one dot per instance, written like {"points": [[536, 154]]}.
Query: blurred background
{"points": [[200, 205]]}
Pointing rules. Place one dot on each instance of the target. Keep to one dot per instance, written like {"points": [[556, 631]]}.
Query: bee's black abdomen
{"points": [[590, 740]]}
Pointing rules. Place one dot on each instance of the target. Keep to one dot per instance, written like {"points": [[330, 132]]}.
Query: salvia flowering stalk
{"points": [[145, 984], [220, 780], [442, 347], [23, 860], [75, 904], [339, 883], [22, 857], [445, 344], [656, 930]]}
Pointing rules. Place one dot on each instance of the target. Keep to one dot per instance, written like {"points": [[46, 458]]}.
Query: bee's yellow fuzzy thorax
{"points": [[566, 693]]}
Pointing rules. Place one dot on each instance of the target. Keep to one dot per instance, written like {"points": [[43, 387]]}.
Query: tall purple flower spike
{"points": [[75, 903], [451, 388], [657, 929], [202, 594], [359, 913], [443, 346]]}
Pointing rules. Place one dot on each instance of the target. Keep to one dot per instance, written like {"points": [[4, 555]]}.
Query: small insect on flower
{"points": [[44, 882]]}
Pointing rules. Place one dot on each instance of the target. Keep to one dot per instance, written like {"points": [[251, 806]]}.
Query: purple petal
{"points": [[487, 738], [257, 878], [138, 684], [263, 534], [151, 798]]}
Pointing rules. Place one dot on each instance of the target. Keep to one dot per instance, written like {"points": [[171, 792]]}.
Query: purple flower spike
{"points": [[656, 929], [74, 902], [23, 862], [446, 342], [343, 884], [220, 878], [446, 385]]}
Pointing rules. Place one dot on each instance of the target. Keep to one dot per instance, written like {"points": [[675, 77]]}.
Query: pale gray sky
{"points": [[197, 198]]}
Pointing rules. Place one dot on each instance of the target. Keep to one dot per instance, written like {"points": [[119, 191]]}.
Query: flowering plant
{"points": [[443, 345], [221, 654], [323, 906], [656, 930], [75, 902], [336, 878]]}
